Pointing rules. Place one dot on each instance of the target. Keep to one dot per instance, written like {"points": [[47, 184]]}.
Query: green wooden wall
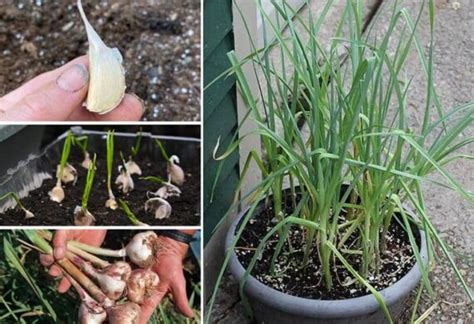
{"points": [[220, 111]]}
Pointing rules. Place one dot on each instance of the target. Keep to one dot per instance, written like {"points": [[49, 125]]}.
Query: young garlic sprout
{"points": [[124, 180], [14, 196], [65, 172], [82, 216], [175, 172], [159, 207], [141, 285], [111, 202], [131, 165], [82, 142], [107, 75], [131, 216], [166, 190]]}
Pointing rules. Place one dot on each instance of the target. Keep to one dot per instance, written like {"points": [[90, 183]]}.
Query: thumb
{"points": [[59, 243], [56, 100]]}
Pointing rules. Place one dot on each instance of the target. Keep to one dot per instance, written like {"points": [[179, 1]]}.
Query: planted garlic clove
{"points": [[111, 203], [28, 214], [107, 75], [83, 217], [87, 162], [57, 194], [133, 167], [175, 173], [167, 191], [69, 174], [160, 207], [124, 181]]}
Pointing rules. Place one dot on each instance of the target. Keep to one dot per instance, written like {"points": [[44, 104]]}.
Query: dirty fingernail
{"points": [[74, 78]]}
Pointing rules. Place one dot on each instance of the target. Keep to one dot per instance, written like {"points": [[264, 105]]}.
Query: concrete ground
{"points": [[452, 216]]}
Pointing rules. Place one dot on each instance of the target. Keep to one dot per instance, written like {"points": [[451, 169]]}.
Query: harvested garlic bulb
{"points": [[107, 75]]}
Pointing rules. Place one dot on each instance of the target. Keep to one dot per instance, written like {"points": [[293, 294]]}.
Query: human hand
{"points": [[169, 267], [60, 239], [58, 96]]}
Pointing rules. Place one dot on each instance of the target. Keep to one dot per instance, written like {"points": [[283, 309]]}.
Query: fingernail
{"points": [[59, 253], [142, 102], [74, 78]]}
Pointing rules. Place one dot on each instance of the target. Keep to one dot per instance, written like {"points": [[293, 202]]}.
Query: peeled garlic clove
{"points": [[133, 167], [83, 218], [57, 194], [160, 207], [175, 173], [124, 181], [107, 75]]}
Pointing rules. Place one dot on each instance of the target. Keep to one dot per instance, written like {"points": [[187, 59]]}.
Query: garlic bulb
{"points": [[107, 75], [141, 285]]}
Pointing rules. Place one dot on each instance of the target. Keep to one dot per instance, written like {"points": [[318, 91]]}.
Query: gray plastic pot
{"points": [[274, 307]]}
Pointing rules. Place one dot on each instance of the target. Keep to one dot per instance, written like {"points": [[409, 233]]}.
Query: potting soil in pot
{"points": [[306, 282], [185, 209]]}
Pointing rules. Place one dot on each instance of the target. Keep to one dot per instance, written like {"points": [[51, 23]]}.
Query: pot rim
{"points": [[342, 308]]}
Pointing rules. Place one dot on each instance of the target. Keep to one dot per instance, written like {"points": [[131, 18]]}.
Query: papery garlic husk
{"points": [[87, 162], [107, 75], [111, 202], [83, 217], [175, 173], [141, 285], [133, 167], [57, 193], [142, 248], [160, 207], [69, 174], [166, 191], [126, 313], [87, 315], [124, 180]]}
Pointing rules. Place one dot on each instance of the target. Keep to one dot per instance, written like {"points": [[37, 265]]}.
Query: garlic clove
{"points": [[87, 162], [166, 191], [107, 75], [133, 167], [57, 194], [124, 180], [69, 174], [175, 173], [83, 218], [160, 207], [111, 203], [28, 214]]}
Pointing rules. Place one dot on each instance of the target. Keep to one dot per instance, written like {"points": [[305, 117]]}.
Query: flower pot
{"points": [[272, 306], [37, 173]]}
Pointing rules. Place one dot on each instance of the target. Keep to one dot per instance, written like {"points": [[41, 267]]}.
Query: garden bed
{"points": [[185, 208]]}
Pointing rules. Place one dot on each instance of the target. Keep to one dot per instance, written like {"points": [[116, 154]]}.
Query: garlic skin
{"points": [[83, 218], [175, 173], [141, 285], [111, 202], [142, 248], [124, 180], [107, 75], [160, 207], [126, 313], [57, 193]]}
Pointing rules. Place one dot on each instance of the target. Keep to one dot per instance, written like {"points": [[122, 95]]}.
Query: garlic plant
{"points": [[14, 196], [111, 202], [132, 166], [82, 216], [65, 172], [107, 75]]}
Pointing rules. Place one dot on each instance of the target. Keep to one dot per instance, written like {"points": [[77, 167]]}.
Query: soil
{"points": [[159, 40], [186, 210], [292, 278]]}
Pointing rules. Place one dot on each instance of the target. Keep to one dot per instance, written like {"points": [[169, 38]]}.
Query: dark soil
{"points": [[159, 40], [186, 208], [293, 279]]}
